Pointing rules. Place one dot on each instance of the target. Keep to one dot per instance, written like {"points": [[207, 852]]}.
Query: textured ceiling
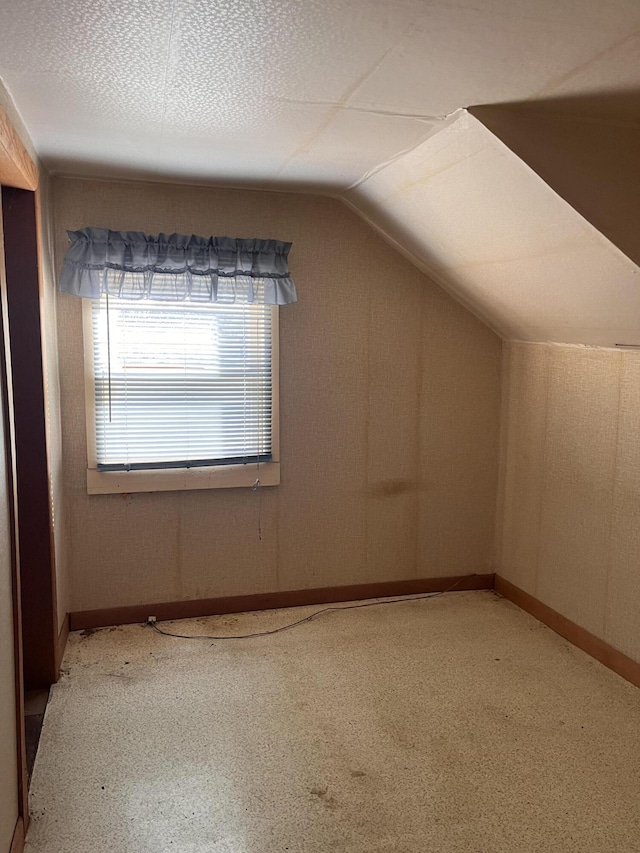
{"points": [[350, 96], [305, 92]]}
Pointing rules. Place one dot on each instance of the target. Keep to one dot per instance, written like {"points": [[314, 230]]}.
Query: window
{"points": [[181, 395], [181, 357]]}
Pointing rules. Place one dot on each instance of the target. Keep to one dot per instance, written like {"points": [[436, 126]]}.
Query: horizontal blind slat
{"points": [[181, 382]]}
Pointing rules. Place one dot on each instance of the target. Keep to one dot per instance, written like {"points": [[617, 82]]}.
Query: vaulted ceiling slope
{"points": [[587, 149], [362, 98], [482, 223]]}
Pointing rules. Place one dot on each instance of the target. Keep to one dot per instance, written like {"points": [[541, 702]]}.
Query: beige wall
{"points": [[570, 484], [389, 419]]}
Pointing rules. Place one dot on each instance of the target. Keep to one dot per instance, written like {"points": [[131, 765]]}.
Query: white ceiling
{"points": [[594, 165], [312, 92], [317, 94], [467, 209]]}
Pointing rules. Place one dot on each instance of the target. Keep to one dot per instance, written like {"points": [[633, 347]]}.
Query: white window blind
{"points": [[181, 384]]}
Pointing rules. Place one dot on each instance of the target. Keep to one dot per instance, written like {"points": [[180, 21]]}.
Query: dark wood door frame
{"points": [[24, 410], [6, 402], [35, 529]]}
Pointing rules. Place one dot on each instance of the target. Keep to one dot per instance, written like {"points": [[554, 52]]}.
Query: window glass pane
{"points": [[181, 382]]}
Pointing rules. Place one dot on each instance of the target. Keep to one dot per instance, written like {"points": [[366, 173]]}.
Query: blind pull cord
{"points": [[108, 353]]}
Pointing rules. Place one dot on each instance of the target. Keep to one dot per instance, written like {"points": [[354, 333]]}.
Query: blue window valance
{"points": [[176, 267]]}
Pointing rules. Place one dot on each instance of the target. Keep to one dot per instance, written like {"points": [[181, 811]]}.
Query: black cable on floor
{"points": [[309, 618]]}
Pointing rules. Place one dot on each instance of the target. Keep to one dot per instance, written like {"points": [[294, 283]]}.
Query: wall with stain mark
{"points": [[389, 419], [570, 485]]}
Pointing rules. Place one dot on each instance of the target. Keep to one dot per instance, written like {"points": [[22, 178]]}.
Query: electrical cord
{"points": [[309, 618]]}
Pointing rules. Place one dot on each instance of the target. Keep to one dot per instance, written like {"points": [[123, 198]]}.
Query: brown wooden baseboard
{"points": [[84, 619], [63, 636], [583, 639], [17, 844]]}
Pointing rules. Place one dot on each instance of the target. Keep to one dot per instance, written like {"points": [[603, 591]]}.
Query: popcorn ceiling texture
{"points": [[389, 420], [314, 93], [570, 485]]}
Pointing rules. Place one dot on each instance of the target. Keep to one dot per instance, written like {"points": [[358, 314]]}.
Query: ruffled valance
{"points": [[176, 267]]}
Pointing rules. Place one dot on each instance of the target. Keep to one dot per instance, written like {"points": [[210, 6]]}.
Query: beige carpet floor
{"points": [[452, 724]]}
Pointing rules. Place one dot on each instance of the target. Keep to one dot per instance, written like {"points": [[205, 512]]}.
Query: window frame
{"points": [[178, 479]]}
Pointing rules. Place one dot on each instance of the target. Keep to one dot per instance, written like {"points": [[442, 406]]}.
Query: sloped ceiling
{"points": [[467, 209], [588, 150], [366, 99]]}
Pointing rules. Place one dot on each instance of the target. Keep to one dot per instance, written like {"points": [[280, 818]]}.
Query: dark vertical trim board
{"points": [[12, 510], [35, 534], [17, 843]]}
